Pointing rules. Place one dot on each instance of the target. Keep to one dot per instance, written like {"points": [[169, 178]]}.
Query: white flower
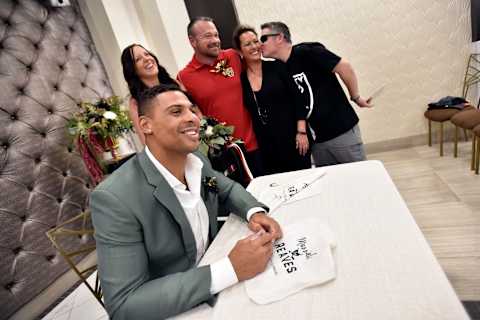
{"points": [[209, 131], [110, 115]]}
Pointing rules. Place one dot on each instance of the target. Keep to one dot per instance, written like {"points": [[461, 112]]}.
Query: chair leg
{"points": [[441, 139], [465, 133], [429, 133], [455, 143], [472, 165]]}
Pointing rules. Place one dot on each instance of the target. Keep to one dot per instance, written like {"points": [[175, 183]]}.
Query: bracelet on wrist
{"points": [[355, 98], [301, 132]]}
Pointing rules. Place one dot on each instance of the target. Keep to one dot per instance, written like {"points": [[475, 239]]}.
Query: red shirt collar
{"points": [[195, 64]]}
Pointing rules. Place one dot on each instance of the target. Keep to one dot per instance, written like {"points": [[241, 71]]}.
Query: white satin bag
{"points": [[301, 259]]}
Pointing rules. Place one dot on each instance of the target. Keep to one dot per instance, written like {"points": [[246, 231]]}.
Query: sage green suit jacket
{"points": [[145, 245]]}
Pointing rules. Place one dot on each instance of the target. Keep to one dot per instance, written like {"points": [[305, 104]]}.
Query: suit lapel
{"points": [[166, 196], [211, 202]]}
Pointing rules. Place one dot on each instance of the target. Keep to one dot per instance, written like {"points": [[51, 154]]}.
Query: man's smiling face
{"points": [[171, 124]]}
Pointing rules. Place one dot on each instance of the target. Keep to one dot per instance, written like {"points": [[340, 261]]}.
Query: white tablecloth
{"points": [[385, 268]]}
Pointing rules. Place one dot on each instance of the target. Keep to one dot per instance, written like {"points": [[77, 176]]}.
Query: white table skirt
{"points": [[385, 268]]}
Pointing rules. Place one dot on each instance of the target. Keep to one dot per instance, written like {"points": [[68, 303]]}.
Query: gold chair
{"points": [[78, 227], [472, 77], [438, 116], [467, 120], [476, 148]]}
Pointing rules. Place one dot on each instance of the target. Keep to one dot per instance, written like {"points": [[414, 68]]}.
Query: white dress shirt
{"points": [[222, 272]]}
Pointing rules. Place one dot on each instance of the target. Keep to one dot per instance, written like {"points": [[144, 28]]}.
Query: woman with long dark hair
{"points": [[141, 70]]}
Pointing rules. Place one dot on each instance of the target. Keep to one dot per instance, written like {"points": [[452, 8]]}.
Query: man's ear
{"points": [[192, 41], [145, 125], [280, 38]]}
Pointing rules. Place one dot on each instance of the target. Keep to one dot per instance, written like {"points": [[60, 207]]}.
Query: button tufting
{"points": [[69, 149], [23, 218], [17, 250], [71, 28], [87, 66], [13, 117], [87, 185], [55, 87], [61, 66], [43, 134], [50, 257], [5, 145], [50, 111], [66, 47], [29, 67], [30, 188], [9, 286], [36, 46], [64, 173], [59, 200], [37, 160], [21, 91], [82, 84]]}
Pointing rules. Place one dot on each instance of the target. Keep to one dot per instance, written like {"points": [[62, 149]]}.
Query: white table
{"points": [[385, 268]]}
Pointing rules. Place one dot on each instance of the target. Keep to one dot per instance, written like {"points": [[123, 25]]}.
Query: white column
{"points": [[165, 25], [158, 25]]}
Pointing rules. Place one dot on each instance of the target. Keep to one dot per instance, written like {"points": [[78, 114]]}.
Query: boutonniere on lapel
{"points": [[223, 68], [210, 184]]}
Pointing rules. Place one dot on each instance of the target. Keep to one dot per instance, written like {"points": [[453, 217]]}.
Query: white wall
{"points": [[419, 48]]}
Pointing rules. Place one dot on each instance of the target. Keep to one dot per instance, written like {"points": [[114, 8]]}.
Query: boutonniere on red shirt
{"points": [[223, 68], [210, 184]]}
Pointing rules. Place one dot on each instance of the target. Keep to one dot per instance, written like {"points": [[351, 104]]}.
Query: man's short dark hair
{"points": [[278, 27], [192, 22], [148, 95], [241, 29]]}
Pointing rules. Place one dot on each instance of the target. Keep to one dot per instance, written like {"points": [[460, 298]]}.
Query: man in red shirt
{"points": [[212, 78]]}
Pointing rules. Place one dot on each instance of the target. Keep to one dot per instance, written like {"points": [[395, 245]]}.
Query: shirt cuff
{"points": [[254, 210], [223, 275]]}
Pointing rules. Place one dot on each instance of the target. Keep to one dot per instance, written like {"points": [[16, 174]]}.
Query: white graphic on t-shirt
{"points": [[299, 78]]}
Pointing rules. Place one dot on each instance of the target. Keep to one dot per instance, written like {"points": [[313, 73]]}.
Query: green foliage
{"points": [[214, 135], [104, 118]]}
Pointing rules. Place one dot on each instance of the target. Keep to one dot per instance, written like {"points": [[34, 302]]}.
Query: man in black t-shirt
{"points": [[331, 118]]}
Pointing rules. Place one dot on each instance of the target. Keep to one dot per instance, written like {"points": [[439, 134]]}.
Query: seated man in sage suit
{"points": [[155, 216]]}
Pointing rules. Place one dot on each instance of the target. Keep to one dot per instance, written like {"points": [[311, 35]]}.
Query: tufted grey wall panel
{"points": [[47, 65]]}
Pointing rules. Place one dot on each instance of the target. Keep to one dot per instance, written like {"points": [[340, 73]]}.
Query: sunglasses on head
{"points": [[264, 37]]}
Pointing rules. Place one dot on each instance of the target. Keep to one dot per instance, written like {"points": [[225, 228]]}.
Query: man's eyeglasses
{"points": [[264, 37]]}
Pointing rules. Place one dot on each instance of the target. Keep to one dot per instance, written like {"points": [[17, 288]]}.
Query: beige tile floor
{"points": [[444, 198]]}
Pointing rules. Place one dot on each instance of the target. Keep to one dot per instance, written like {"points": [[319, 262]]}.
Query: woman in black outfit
{"points": [[269, 94]]}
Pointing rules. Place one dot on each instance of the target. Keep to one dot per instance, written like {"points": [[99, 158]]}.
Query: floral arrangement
{"points": [[224, 68], [214, 135], [96, 129], [210, 184]]}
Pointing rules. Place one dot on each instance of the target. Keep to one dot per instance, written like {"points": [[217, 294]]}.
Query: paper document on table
{"points": [[301, 258], [277, 194]]}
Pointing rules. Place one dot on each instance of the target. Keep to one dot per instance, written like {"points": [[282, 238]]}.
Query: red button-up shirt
{"points": [[220, 96]]}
